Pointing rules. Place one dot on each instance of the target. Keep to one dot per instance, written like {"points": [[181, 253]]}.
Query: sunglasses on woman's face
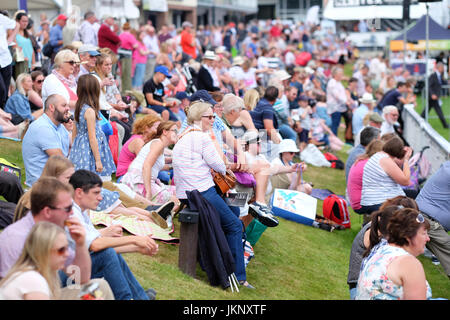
{"points": [[40, 80], [210, 117], [72, 63], [61, 251]]}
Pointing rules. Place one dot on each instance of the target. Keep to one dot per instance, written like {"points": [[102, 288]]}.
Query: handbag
{"points": [[224, 182]]}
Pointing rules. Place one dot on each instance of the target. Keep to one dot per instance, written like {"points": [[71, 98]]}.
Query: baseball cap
{"points": [[181, 95], [89, 48], [61, 17], [164, 70], [202, 95], [303, 98], [375, 117]]}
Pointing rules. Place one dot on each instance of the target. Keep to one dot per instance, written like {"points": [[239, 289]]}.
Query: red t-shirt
{"points": [[186, 44]]}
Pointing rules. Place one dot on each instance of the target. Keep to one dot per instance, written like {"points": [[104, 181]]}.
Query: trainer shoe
{"points": [[263, 214]]}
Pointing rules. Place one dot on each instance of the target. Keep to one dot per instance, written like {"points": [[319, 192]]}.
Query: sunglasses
{"points": [[72, 63], [210, 117], [61, 251], [420, 218], [66, 209], [40, 80]]}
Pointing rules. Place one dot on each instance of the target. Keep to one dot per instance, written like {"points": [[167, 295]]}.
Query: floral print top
{"points": [[373, 282]]}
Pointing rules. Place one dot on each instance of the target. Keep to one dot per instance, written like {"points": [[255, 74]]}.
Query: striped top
{"points": [[193, 157], [377, 185]]}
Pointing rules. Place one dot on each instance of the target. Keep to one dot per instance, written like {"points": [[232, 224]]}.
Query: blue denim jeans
{"points": [[232, 227], [335, 121], [287, 132], [138, 78], [110, 265]]}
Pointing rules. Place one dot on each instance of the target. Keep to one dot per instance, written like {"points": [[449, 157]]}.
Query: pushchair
{"points": [[188, 73], [420, 169]]}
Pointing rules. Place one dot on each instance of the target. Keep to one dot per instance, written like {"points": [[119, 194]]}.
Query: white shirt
{"points": [[152, 44], [52, 85], [87, 33], [5, 55], [26, 282], [193, 156]]}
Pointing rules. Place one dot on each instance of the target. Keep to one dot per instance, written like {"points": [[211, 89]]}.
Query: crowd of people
{"points": [[131, 120]]}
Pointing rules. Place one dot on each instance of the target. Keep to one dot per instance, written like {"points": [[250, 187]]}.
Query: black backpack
{"points": [[47, 50]]}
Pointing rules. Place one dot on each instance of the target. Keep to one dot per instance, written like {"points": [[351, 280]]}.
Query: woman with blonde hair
{"points": [[62, 79], [18, 104], [35, 274], [251, 98], [163, 56], [56, 166]]}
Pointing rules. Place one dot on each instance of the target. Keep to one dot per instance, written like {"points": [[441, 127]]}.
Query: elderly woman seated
{"points": [[18, 104], [194, 155]]}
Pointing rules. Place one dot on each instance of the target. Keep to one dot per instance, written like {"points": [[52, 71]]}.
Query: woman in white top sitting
{"points": [[384, 174], [62, 80], [35, 274], [142, 174]]}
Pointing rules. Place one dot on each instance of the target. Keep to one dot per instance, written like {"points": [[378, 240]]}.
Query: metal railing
{"points": [[418, 133]]}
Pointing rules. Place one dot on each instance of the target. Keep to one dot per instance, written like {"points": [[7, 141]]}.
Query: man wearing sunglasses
{"points": [[46, 137], [88, 56], [51, 201]]}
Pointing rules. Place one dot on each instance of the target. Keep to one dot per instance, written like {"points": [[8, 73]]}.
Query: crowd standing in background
{"points": [[250, 98]]}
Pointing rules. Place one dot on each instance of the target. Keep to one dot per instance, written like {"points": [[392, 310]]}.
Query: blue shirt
{"points": [[433, 198], [263, 111], [18, 104], [55, 35], [357, 119], [42, 135]]}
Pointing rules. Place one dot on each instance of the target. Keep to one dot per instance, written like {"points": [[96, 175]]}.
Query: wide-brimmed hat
{"points": [[287, 145], [210, 55], [281, 75], [238, 60], [367, 98]]}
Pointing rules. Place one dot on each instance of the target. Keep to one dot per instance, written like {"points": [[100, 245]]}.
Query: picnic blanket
{"points": [[134, 226]]}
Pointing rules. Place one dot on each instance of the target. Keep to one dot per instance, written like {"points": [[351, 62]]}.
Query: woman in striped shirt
{"points": [[194, 155], [383, 175]]}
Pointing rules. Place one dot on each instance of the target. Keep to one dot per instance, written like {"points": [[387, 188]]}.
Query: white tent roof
{"points": [[12, 5], [371, 12]]}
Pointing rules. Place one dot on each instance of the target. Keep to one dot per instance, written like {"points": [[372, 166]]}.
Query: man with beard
{"points": [[46, 137]]}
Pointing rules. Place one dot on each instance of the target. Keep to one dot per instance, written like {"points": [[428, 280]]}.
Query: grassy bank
{"points": [[292, 261]]}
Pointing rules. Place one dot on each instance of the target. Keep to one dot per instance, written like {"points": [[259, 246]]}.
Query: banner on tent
{"points": [[438, 45]]}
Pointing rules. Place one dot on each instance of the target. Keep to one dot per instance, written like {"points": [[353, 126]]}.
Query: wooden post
{"points": [[187, 255]]}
